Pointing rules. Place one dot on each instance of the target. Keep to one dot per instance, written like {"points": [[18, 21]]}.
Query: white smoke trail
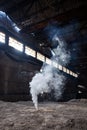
{"points": [[61, 55], [50, 78]]}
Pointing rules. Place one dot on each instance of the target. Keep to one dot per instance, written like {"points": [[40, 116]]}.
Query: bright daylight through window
{"points": [[40, 57], [30, 51], [15, 44], [2, 37]]}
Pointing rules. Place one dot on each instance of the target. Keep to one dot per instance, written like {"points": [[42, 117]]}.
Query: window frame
{"points": [[3, 37], [15, 43], [30, 52]]}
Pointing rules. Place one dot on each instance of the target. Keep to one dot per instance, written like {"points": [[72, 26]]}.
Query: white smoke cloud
{"points": [[50, 78], [46, 81], [61, 55]]}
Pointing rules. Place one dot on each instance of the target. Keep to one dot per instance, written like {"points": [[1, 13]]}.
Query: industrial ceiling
{"points": [[34, 16]]}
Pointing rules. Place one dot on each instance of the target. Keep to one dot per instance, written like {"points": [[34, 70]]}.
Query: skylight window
{"points": [[54, 64], [64, 69], [48, 61], [76, 75], [71, 73], [60, 67], [40, 57], [15, 44], [67, 71], [30, 51], [2, 37]]}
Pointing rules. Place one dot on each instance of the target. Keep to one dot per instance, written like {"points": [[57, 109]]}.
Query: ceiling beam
{"points": [[19, 5], [78, 14], [32, 14]]}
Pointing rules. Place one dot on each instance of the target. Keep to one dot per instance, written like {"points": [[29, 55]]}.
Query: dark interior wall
{"points": [[70, 89], [16, 75], [14, 78]]}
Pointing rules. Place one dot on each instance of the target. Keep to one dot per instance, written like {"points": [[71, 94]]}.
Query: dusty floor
{"points": [[50, 116]]}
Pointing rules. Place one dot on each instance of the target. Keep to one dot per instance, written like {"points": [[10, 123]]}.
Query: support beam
{"points": [[18, 6], [78, 14]]}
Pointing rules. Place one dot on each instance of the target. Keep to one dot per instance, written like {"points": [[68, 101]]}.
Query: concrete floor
{"points": [[50, 116]]}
